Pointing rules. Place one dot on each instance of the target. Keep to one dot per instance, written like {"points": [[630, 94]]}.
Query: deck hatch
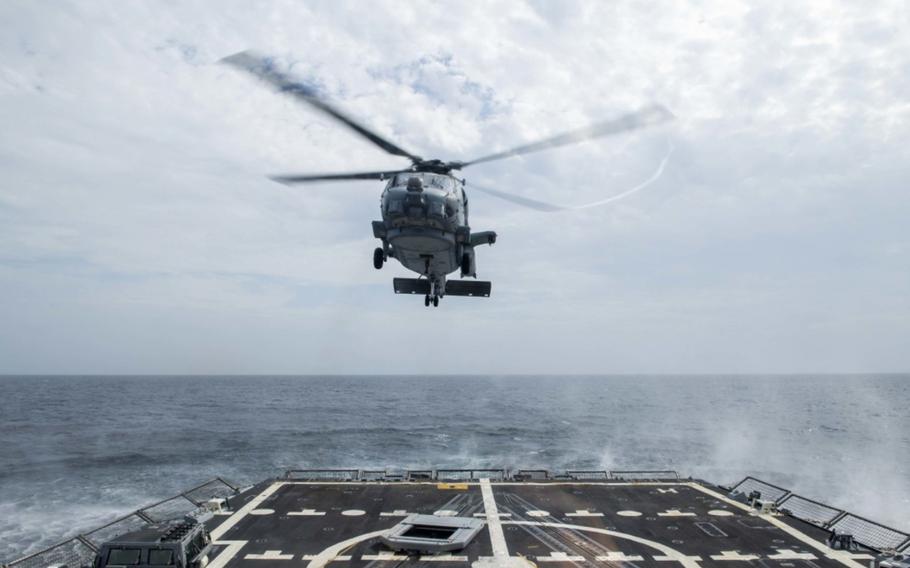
{"points": [[428, 533]]}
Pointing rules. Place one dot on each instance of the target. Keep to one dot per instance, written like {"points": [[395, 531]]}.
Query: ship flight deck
{"points": [[547, 524]]}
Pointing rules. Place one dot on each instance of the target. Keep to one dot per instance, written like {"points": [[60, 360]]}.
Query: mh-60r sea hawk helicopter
{"points": [[424, 206]]}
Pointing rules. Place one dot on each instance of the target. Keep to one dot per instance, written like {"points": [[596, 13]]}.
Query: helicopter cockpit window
{"points": [[428, 180]]}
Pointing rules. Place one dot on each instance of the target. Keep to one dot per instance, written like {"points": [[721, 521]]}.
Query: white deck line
{"points": [[228, 554], [494, 525], [799, 535], [229, 523]]}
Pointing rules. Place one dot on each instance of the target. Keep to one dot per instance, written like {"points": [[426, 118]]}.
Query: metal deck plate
{"points": [[592, 524]]}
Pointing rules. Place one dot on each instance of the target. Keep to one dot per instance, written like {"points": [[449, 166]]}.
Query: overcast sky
{"points": [[138, 233]]}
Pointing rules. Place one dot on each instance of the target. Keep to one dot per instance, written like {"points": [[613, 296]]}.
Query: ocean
{"points": [[77, 451]]}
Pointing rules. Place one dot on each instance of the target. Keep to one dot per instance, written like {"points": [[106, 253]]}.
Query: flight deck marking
{"points": [[336, 559], [619, 557], [306, 513], [559, 557], [494, 525], [720, 513], [675, 513], [261, 512], [584, 513], [844, 559], [668, 553], [383, 556], [395, 513], [254, 503], [670, 490], [333, 551], [628, 513], [269, 555], [787, 554], [443, 558], [354, 513], [233, 547], [734, 555]]}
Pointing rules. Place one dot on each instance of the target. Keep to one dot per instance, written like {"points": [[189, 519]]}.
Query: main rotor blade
{"points": [[293, 179], [550, 208], [647, 116], [524, 201], [263, 68]]}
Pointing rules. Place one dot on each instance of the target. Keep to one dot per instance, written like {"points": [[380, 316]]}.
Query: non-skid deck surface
{"points": [[553, 525]]}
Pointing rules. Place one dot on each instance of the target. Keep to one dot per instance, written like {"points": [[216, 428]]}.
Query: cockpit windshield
{"points": [[435, 181]]}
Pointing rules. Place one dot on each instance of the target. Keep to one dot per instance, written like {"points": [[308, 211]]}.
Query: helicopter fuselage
{"points": [[425, 227]]}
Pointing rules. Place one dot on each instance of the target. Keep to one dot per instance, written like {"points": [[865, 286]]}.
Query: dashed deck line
{"points": [[787, 554], [307, 513], [668, 552], [560, 557], [675, 513], [734, 555], [384, 556], [269, 555], [619, 557], [553, 557]]}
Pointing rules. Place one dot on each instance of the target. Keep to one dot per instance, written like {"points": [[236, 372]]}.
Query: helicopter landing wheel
{"points": [[435, 301], [426, 300], [378, 258]]}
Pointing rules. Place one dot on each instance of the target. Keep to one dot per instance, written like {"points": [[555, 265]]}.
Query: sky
{"points": [[139, 233]]}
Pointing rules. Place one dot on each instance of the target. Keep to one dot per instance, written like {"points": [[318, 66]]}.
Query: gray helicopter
{"points": [[424, 206]]}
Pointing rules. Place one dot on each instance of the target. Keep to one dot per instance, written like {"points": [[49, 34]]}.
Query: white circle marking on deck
{"points": [[353, 513], [445, 513], [628, 513], [538, 513], [720, 513], [262, 512]]}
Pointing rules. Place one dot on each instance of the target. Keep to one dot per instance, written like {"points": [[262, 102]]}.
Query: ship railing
{"points": [[644, 475], [870, 534], [80, 550], [474, 474], [588, 474], [322, 474], [531, 474], [470, 474]]}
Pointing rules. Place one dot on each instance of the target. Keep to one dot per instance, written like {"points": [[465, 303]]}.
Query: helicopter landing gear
{"points": [[378, 258], [427, 300]]}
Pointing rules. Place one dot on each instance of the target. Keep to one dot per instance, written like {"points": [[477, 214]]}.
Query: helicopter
{"points": [[424, 206]]}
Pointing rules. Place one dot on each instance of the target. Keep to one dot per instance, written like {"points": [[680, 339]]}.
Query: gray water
{"points": [[76, 451]]}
